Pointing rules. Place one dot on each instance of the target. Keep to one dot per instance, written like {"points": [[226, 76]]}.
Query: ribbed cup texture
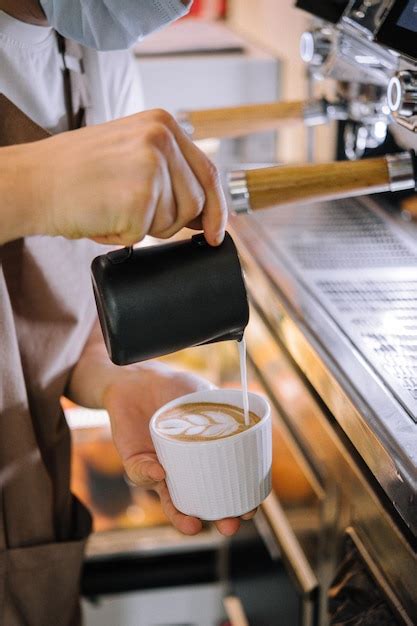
{"points": [[222, 478]]}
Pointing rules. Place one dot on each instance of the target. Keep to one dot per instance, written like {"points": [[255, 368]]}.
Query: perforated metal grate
{"points": [[339, 235], [390, 297], [363, 270], [381, 317]]}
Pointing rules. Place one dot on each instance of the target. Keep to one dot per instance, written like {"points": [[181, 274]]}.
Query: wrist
{"points": [[144, 376], [92, 380], [113, 382], [20, 203]]}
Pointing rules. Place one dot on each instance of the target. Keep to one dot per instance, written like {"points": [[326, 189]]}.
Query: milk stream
{"points": [[244, 378]]}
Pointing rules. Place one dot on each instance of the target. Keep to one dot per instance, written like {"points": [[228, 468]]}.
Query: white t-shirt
{"points": [[31, 77]]}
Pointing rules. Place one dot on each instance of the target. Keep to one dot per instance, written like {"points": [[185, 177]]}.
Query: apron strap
{"points": [[16, 127], [75, 85]]}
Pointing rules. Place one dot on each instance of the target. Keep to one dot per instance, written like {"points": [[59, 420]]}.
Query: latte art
{"points": [[203, 421]]}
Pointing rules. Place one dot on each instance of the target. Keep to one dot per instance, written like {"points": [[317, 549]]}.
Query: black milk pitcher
{"points": [[159, 299]]}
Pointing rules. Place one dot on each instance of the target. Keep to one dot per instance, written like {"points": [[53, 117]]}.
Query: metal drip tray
{"points": [[380, 316], [339, 235], [362, 268]]}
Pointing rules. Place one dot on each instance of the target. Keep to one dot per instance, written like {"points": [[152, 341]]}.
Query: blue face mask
{"points": [[110, 24]]}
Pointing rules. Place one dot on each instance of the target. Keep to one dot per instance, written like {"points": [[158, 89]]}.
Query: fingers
{"points": [[191, 525], [126, 178], [187, 195], [214, 213], [228, 527], [165, 220], [144, 470], [184, 523], [249, 515]]}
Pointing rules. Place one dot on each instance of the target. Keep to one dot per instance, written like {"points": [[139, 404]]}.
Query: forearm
{"points": [[93, 373], [20, 208], [94, 378]]}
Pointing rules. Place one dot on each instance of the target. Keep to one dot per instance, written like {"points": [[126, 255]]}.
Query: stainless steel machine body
{"points": [[333, 342], [370, 52], [333, 339]]}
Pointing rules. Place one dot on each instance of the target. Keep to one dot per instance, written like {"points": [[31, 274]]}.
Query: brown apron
{"points": [[46, 314]]}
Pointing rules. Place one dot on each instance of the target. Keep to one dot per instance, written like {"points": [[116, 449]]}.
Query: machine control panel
{"points": [[367, 15], [329, 10], [399, 28]]}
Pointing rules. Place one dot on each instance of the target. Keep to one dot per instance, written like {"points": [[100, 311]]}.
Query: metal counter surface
{"points": [[345, 274]]}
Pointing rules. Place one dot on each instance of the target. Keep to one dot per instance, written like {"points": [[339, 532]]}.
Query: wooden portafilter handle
{"points": [[255, 189], [410, 206], [242, 120]]}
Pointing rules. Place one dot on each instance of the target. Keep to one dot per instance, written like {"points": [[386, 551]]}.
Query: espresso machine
{"points": [[330, 258], [374, 92], [329, 253]]}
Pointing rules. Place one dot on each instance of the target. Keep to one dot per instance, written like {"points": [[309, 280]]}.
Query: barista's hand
{"points": [[131, 401], [114, 183]]}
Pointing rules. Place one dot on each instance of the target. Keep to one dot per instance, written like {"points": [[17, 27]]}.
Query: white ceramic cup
{"points": [[221, 477]]}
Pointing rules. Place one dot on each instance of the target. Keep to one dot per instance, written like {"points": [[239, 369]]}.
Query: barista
{"points": [[111, 182]]}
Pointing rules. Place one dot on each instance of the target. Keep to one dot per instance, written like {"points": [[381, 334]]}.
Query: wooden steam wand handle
{"points": [[273, 186], [410, 205], [242, 120]]}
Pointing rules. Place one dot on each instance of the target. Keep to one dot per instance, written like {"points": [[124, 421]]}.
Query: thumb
{"points": [[144, 470]]}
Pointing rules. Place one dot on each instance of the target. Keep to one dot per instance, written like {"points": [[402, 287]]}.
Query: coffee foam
{"points": [[203, 421]]}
